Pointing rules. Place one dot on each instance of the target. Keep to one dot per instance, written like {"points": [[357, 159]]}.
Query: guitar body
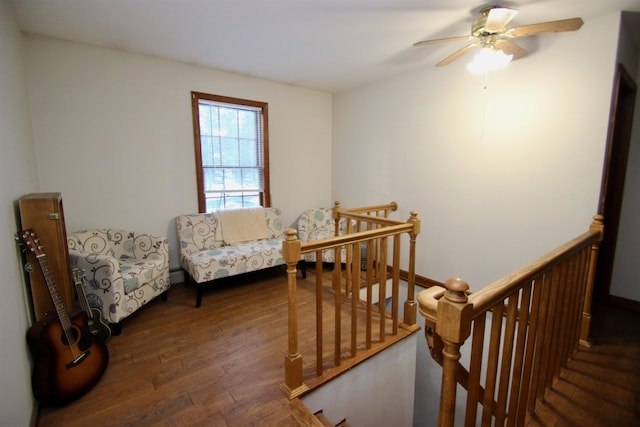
{"points": [[97, 326], [65, 368]]}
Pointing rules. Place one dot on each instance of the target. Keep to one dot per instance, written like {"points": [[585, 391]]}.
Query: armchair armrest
{"points": [[104, 284]]}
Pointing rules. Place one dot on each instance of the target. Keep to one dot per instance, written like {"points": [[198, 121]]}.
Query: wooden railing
{"points": [[534, 319], [372, 229]]}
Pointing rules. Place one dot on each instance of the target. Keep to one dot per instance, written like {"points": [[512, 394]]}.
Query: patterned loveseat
{"points": [[210, 250], [123, 269]]}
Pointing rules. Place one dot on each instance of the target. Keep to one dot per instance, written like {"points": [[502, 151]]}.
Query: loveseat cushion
{"points": [[226, 261]]}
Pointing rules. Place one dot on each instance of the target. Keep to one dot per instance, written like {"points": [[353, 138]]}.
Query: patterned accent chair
{"points": [[124, 270], [318, 224]]}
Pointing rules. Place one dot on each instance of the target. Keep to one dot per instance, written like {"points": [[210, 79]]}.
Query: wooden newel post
{"points": [[454, 327], [585, 326], [410, 308], [293, 385]]}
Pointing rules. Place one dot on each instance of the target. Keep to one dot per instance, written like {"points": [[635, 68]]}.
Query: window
{"points": [[231, 146]]}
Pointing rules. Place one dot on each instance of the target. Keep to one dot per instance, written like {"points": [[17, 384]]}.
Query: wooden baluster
{"points": [[369, 277], [558, 325], [319, 313], [507, 350], [573, 294], [528, 381], [348, 273], [337, 294], [475, 369], [337, 217], [581, 296], [395, 284], [492, 362], [355, 294], [382, 286], [540, 351], [519, 363]]}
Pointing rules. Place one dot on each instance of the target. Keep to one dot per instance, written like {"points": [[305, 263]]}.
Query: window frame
{"points": [[196, 97]]}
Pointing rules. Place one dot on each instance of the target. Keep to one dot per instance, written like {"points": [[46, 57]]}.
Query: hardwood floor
{"points": [[601, 385], [222, 364], [175, 365]]}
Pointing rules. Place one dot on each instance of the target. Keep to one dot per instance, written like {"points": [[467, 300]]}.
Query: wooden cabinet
{"points": [[43, 213]]}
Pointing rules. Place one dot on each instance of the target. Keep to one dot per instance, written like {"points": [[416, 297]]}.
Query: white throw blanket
{"points": [[242, 225]]}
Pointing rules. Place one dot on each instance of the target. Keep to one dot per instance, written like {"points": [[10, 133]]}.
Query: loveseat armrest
{"points": [[198, 232]]}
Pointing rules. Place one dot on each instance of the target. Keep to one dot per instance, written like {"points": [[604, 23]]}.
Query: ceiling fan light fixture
{"points": [[489, 59]]}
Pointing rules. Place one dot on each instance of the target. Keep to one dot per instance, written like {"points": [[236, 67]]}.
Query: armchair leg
{"points": [[198, 296], [116, 328], [164, 296], [303, 268]]}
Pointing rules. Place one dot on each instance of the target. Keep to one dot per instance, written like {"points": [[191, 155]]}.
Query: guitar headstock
{"points": [[78, 275], [30, 240]]}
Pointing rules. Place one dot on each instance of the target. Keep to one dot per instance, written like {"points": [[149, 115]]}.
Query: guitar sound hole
{"points": [[72, 335], [76, 334]]}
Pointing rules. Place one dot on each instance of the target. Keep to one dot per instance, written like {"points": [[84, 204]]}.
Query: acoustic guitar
{"points": [[97, 325], [68, 360]]}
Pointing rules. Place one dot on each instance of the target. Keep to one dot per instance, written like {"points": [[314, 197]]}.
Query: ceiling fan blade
{"points": [[447, 39], [457, 54], [510, 48], [571, 24], [499, 17]]}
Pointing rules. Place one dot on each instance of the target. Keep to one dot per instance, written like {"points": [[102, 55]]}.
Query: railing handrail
{"points": [[488, 296], [392, 206], [534, 319], [360, 236]]}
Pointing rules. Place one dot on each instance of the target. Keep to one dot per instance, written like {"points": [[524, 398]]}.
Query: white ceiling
{"points": [[328, 45]]}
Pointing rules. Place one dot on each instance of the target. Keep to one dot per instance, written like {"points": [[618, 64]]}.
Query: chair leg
{"points": [[303, 268], [164, 296], [116, 328], [198, 296]]}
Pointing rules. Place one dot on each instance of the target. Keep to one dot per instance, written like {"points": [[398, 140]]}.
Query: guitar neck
{"points": [[82, 297], [63, 315]]}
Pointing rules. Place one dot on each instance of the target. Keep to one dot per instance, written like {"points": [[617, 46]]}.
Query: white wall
{"points": [[500, 175], [378, 392], [17, 177], [113, 133], [625, 279]]}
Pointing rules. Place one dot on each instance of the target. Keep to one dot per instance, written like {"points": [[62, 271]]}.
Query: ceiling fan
{"points": [[491, 33]]}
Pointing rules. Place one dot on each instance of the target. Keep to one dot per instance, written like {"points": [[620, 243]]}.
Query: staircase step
{"points": [[327, 422], [323, 419]]}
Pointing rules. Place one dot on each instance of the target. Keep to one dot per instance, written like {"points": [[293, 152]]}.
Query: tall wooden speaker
{"points": [[43, 213]]}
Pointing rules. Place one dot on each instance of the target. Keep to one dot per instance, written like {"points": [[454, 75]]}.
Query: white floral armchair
{"points": [[123, 269]]}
